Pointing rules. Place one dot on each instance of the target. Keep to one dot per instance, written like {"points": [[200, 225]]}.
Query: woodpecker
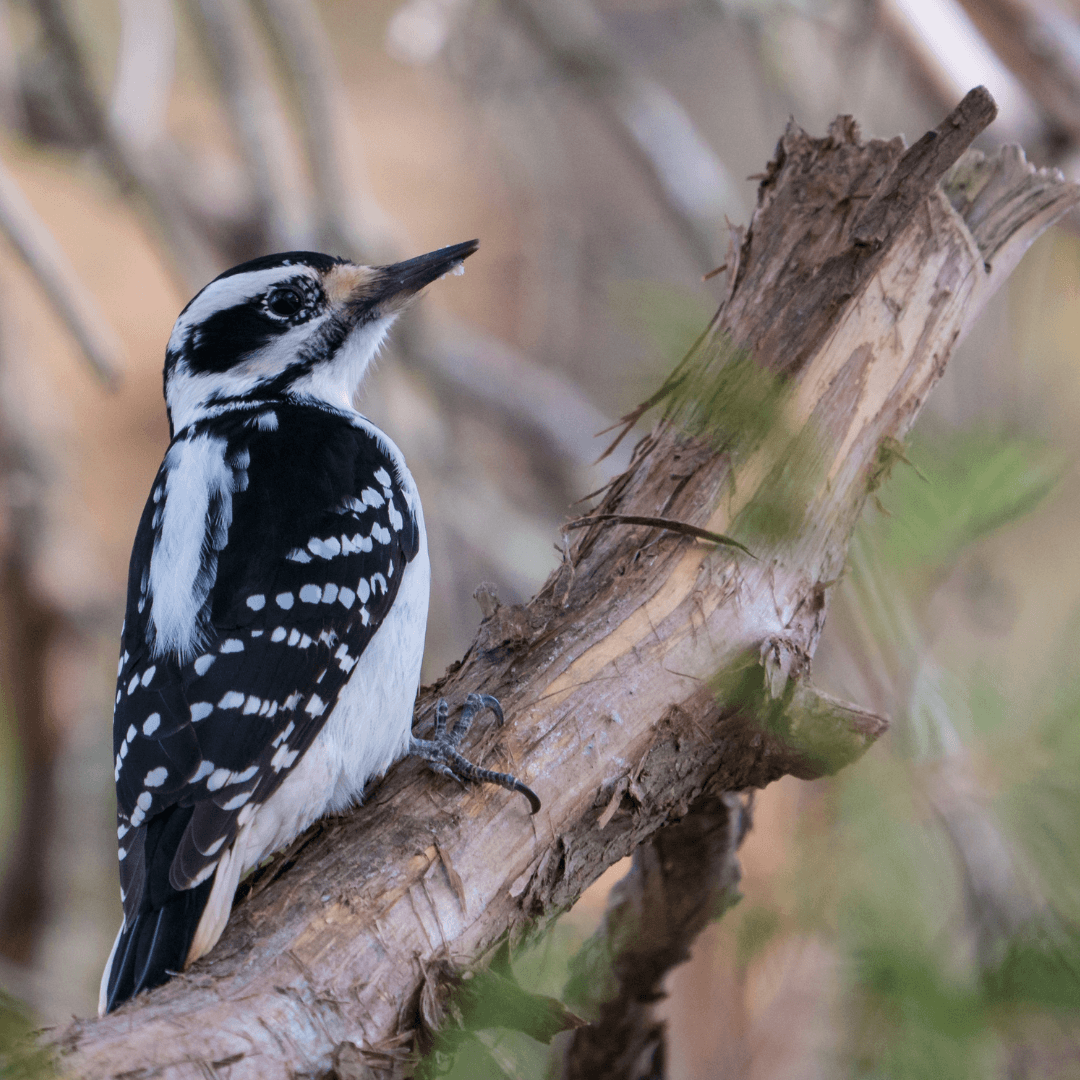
{"points": [[277, 600]]}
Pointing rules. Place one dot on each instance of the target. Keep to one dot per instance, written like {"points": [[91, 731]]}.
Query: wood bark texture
{"points": [[858, 274]]}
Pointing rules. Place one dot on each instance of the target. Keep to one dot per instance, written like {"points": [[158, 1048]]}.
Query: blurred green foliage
{"points": [[471, 1047], [779, 507], [946, 981], [1040, 794], [919, 1003], [953, 490], [669, 317], [20, 1057], [758, 926], [713, 390], [805, 721], [914, 1007], [719, 393]]}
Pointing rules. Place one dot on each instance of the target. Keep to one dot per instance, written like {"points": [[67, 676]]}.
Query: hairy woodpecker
{"points": [[277, 600]]}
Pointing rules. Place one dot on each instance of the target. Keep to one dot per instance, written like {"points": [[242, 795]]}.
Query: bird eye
{"points": [[285, 302]]}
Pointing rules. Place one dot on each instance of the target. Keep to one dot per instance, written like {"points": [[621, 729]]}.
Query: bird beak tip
{"points": [[406, 279]]}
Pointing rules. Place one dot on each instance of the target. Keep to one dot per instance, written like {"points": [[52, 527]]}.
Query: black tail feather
{"points": [[155, 945]]}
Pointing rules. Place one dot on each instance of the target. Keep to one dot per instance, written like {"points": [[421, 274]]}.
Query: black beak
{"points": [[399, 281]]}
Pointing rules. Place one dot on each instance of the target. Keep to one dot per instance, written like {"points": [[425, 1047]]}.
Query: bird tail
{"points": [[153, 948]]}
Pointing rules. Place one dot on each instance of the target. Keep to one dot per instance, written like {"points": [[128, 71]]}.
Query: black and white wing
{"points": [[303, 544]]}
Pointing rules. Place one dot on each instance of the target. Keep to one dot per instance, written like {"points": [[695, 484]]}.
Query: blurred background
{"points": [[914, 916]]}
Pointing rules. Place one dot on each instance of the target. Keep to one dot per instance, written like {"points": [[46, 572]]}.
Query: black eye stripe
{"points": [[227, 336]]}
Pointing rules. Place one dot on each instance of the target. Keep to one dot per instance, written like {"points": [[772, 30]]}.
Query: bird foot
{"points": [[441, 753]]}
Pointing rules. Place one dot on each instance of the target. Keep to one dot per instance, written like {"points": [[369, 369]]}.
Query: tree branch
{"points": [[681, 665], [687, 875]]}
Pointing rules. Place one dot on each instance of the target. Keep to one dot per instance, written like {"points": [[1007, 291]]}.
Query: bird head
{"points": [[296, 324]]}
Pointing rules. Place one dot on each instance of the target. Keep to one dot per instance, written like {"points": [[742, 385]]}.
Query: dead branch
{"points": [[680, 880], [681, 665]]}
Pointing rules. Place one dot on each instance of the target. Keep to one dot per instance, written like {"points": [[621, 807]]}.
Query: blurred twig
{"points": [[1040, 45], [30, 236], [533, 402], [928, 75], [186, 253], [687, 176], [211, 203], [145, 70], [11, 106], [242, 68], [542, 404], [78, 89], [348, 216]]}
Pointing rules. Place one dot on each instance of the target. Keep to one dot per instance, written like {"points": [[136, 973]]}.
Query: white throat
{"points": [[336, 382]]}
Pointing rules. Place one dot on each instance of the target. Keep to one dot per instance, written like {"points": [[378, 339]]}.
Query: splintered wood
{"points": [[652, 667]]}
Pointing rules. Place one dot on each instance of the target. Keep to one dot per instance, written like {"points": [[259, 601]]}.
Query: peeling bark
{"points": [[651, 668]]}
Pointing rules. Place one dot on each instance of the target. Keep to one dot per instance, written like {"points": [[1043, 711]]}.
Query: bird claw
{"points": [[441, 753]]}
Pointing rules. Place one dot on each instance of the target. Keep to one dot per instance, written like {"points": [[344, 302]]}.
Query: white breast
{"points": [[366, 733]]}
